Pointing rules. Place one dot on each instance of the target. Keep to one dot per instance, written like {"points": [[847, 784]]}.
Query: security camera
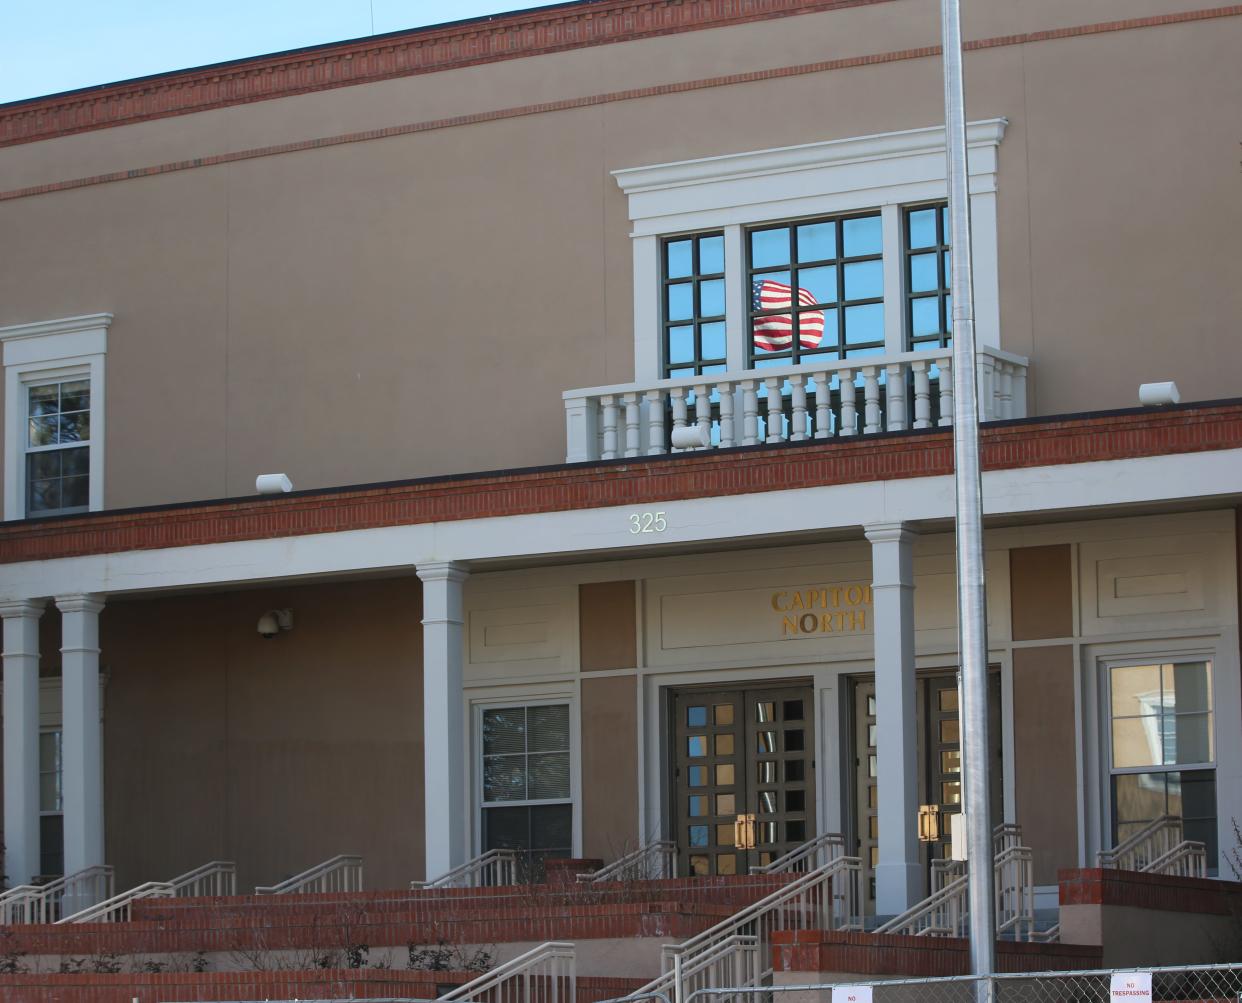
{"points": [[273, 622]]}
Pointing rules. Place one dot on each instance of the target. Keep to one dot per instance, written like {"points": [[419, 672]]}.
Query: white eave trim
{"points": [[858, 149]]}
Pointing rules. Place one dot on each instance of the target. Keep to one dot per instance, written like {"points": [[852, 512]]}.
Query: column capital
{"points": [[889, 532], [11, 608], [81, 602], [442, 571]]}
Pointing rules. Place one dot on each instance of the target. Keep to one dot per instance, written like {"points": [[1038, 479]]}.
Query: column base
{"points": [[897, 887]]}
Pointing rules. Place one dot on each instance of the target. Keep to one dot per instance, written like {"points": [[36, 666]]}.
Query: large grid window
{"points": [[1163, 748], [929, 305], [526, 782], [816, 290], [694, 305], [58, 432], [51, 805]]}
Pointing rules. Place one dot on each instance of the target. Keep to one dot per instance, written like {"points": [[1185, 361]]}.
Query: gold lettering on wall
{"points": [[846, 609]]}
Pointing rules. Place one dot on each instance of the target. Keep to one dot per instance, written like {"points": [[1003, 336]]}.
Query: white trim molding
{"points": [[882, 171], [40, 352]]}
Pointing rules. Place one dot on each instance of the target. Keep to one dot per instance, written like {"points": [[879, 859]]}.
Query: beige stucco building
{"points": [[463, 285]]}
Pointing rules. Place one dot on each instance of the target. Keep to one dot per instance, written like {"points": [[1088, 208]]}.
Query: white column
{"points": [[82, 732], [445, 772], [898, 877], [21, 739]]}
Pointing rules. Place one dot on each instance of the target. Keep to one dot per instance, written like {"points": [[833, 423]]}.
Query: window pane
{"points": [[548, 776], [696, 717], [925, 316], [922, 228], [795, 771], [74, 492], [76, 461], [552, 827], [864, 323], [795, 800], [794, 740], [817, 242], [923, 277], [713, 339], [44, 400], [820, 282], [726, 804], [696, 746], [548, 727], [42, 431], [698, 805], [40, 466], [75, 396], [711, 298], [504, 778], [698, 835], [49, 792], [504, 730], [1137, 741], [506, 828], [680, 344], [698, 776], [1135, 690], [42, 496], [1187, 687], [681, 301], [864, 280], [711, 255], [862, 236], [724, 745], [52, 844], [679, 262], [1190, 740], [75, 427], [1138, 797], [769, 248]]}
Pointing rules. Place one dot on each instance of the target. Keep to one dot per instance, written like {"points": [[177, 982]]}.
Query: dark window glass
{"points": [[816, 290], [52, 845], [57, 468], [929, 307], [693, 292]]}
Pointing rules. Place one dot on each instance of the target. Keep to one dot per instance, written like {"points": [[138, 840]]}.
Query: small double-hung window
{"points": [[694, 305], [929, 304], [57, 449]]}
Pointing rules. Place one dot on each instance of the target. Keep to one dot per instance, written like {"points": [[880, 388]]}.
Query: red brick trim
{"points": [[1108, 887], [807, 951], [1033, 442], [430, 125], [398, 54]]}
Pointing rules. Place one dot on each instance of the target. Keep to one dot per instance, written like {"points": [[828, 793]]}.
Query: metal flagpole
{"points": [[971, 602]]}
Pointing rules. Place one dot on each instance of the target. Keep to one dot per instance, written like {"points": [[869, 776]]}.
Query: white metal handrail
{"points": [[119, 908], [340, 874], [46, 903], [650, 862], [733, 961], [488, 870], [827, 898], [823, 849], [1150, 843], [546, 974], [1188, 859], [824, 400], [211, 880], [944, 913]]}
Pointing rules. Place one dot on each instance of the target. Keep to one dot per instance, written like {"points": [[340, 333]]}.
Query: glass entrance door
{"points": [[743, 776]]}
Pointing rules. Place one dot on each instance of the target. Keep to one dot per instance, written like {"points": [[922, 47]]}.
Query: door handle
{"points": [[744, 832]]}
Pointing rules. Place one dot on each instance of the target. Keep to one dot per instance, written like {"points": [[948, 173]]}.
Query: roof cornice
{"points": [[381, 57]]}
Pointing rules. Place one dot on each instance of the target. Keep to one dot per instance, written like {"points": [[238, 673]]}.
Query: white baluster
{"points": [[773, 383], [922, 395], [849, 406], [750, 413], [946, 391], [725, 390], [632, 429], [823, 405], [987, 387], [871, 400], [896, 398], [797, 421], [703, 413], [1004, 403], [609, 403], [655, 422], [678, 397]]}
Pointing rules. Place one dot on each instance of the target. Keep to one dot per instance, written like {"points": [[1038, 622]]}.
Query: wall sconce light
{"points": [[273, 622], [929, 823]]}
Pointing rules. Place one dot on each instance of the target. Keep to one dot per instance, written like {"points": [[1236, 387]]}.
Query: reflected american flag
{"points": [[774, 333]]}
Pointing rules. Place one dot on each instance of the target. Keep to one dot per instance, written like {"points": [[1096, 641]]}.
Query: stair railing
{"points": [[814, 853], [119, 908], [1150, 843], [340, 874], [547, 974], [1188, 859], [489, 870], [46, 903], [651, 862], [211, 880], [827, 898]]}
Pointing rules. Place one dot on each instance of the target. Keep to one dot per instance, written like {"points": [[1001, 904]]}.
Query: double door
{"points": [[743, 782]]}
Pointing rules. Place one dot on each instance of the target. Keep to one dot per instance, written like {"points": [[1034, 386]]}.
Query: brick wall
{"points": [[1109, 887]]}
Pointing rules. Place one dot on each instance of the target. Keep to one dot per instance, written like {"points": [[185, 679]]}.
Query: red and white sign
{"points": [[1130, 987], [851, 994]]}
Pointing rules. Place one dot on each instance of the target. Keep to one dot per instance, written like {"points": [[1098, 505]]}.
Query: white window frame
{"points": [[48, 352], [887, 171], [546, 699]]}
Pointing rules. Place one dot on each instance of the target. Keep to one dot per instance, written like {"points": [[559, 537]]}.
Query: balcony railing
{"points": [[825, 400]]}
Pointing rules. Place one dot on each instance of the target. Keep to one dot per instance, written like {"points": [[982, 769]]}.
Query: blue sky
{"points": [[48, 46]]}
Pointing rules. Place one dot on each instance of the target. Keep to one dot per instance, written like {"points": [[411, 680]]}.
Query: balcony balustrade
{"points": [[822, 400]]}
